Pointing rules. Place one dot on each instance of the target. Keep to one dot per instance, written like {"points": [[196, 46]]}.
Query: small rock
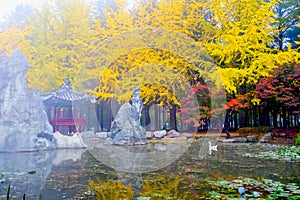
{"points": [[149, 135], [229, 141], [64, 141], [203, 139], [240, 139], [188, 135], [160, 134], [252, 138], [267, 137], [101, 135], [88, 134], [173, 133], [178, 138]]}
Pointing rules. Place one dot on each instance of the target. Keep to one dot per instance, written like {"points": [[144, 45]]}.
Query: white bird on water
{"points": [[210, 148]]}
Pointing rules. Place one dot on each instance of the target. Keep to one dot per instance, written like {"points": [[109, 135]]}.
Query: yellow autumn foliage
{"points": [[164, 47]]}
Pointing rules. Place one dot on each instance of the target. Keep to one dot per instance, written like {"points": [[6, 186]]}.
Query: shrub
{"points": [[297, 140]]}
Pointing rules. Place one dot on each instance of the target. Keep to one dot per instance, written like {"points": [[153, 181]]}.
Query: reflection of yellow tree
{"points": [[162, 187], [111, 189]]}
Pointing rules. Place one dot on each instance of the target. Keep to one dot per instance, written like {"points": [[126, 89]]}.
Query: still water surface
{"points": [[65, 173]]}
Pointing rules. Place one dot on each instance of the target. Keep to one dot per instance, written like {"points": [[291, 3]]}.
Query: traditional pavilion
{"points": [[67, 109]]}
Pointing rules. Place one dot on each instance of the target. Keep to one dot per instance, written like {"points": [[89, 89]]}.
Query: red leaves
{"points": [[282, 87], [241, 101]]}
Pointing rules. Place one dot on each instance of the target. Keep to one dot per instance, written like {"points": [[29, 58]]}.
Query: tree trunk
{"points": [[235, 121], [156, 118], [243, 118], [274, 113], [145, 119], [285, 119], [227, 125], [173, 117], [109, 114], [264, 118]]}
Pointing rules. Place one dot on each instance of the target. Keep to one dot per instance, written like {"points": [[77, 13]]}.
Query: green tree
{"points": [[287, 13]]}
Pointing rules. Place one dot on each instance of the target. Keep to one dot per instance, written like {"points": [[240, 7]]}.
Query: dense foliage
{"points": [[108, 49]]}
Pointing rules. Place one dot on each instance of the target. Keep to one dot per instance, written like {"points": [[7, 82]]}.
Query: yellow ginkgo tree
{"points": [[62, 43]]}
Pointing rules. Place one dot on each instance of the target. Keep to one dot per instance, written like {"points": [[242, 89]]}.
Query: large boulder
{"points": [[24, 124], [125, 129]]}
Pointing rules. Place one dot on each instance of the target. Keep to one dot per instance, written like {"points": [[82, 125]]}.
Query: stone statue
{"points": [[126, 128]]}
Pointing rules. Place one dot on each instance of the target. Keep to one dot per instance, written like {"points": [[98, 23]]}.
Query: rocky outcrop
{"points": [[126, 130], [24, 124]]}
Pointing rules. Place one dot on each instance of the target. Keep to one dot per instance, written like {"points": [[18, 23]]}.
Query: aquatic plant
{"points": [[251, 188], [283, 152], [24, 195], [110, 189], [163, 187], [8, 192]]}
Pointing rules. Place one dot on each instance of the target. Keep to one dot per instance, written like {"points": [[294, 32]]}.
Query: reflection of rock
{"points": [[65, 141], [139, 158], [28, 172], [67, 154], [125, 130], [23, 122], [160, 146]]}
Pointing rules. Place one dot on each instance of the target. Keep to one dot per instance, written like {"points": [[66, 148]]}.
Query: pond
{"points": [[173, 170]]}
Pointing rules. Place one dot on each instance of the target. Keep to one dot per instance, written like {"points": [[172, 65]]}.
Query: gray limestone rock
{"points": [[173, 133], [160, 134], [24, 124], [149, 135], [240, 139], [188, 135], [125, 129], [252, 138], [101, 135], [88, 134], [266, 138]]}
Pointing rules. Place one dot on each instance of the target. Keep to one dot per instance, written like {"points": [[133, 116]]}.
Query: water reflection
{"points": [[27, 173], [65, 174], [138, 159]]}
